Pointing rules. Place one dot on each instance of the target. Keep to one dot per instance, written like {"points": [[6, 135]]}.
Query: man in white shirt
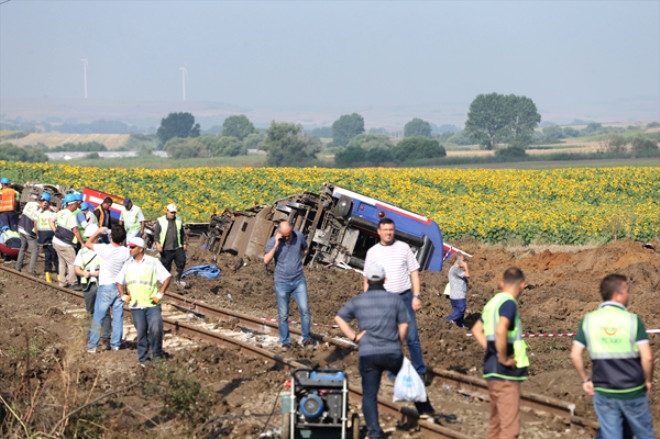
{"points": [[112, 256]]}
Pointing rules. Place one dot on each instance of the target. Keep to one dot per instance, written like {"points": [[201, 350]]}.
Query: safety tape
{"points": [[564, 334]]}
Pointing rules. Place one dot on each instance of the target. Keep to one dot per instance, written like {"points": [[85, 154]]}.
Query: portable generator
{"points": [[317, 406]]}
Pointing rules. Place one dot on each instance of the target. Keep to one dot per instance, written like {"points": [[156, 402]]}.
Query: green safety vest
{"points": [[163, 230], [62, 224], [90, 262], [42, 221], [141, 281], [611, 334], [10, 234], [130, 218], [490, 317]]}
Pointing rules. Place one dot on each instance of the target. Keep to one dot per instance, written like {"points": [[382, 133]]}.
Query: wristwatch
{"points": [[417, 296]]}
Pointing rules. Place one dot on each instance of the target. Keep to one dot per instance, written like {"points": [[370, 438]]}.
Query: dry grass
{"points": [[111, 141]]}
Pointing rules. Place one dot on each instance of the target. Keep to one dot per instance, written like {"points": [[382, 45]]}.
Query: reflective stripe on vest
{"points": [[130, 218], [163, 230], [29, 215], [141, 281], [8, 201], [92, 262], [9, 234]]}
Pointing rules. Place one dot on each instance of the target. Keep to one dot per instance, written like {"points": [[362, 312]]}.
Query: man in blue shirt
{"points": [[289, 248]]}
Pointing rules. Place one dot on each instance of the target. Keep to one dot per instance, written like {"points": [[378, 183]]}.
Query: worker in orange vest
{"points": [[8, 205]]}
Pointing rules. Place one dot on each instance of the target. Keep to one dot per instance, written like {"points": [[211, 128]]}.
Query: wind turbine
{"points": [[184, 75], [84, 62]]}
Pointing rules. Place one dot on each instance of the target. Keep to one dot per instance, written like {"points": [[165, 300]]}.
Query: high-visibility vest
{"points": [[62, 230], [28, 217], [130, 219], [611, 334], [90, 262], [8, 201], [101, 218], [11, 239], [490, 317], [163, 230], [43, 227], [142, 281]]}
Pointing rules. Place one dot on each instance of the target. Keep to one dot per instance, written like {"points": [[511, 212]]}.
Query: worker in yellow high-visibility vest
{"points": [[138, 286], [499, 331], [622, 363]]}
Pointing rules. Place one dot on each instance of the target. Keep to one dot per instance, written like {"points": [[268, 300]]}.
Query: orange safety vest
{"points": [[8, 201], [101, 216]]}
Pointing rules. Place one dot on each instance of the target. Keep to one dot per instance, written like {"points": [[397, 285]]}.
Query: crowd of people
{"points": [[87, 250], [108, 263]]}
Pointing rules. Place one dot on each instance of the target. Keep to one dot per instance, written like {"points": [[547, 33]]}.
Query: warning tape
{"points": [[564, 334]]}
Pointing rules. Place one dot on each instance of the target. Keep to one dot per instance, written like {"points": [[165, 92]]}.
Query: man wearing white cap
{"points": [[112, 256], [137, 283], [87, 265], [171, 241]]}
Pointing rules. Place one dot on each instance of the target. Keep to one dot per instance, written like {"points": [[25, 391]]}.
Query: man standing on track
{"points": [[112, 257], [383, 323], [499, 331], [622, 363], [289, 248], [137, 283], [402, 270]]}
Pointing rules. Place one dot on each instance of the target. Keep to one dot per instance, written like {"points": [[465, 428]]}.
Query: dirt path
{"points": [[48, 330]]}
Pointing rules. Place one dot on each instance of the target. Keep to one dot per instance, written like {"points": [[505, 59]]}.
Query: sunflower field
{"points": [[560, 206]]}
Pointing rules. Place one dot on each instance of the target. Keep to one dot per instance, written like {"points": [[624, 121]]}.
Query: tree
{"points": [[378, 156], [415, 148], [417, 128], [350, 157], [371, 141], [642, 147], [178, 148], [552, 133], [177, 125], [286, 145], [237, 126], [254, 141], [12, 153], [223, 146], [496, 118], [347, 127]]}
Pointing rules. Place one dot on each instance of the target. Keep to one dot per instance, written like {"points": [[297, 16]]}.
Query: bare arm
{"points": [[271, 254], [165, 285], [478, 333], [92, 239], [403, 331], [578, 363], [646, 356], [501, 336], [416, 288]]}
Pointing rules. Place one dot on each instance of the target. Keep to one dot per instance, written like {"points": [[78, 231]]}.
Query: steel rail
{"points": [[461, 383], [429, 430]]}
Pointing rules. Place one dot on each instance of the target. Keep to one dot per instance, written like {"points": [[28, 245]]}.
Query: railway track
{"points": [[459, 383]]}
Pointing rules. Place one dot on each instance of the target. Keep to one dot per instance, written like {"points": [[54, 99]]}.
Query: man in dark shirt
{"points": [[382, 319], [171, 241], [102, 214], [289, 248]]}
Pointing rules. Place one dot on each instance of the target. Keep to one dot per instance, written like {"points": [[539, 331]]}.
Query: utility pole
{"points": [[84, 62]]}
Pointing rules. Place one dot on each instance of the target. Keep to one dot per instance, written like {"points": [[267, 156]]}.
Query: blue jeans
{"points": [[623, 418], [107, 297], [148, 323], [371, 369], [283, 291], [458, 306], [412, 339]]}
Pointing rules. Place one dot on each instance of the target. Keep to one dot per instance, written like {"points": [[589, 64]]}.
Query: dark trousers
{"points": [[148, 323], [50, 259], [371, 369], [90, 302], [9, 219], [179, 258]]}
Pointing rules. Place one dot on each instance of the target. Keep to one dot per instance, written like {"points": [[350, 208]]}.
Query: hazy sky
{"points": [[569, 57]]}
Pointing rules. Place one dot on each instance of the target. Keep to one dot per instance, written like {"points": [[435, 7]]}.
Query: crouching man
{"points": [[138, 286]]}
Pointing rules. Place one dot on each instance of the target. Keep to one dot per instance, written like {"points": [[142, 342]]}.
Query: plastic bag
{"points": [[408, 385], [447, 289]]}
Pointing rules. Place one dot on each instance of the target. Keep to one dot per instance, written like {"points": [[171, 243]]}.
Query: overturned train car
{"points": [[339, 225]]}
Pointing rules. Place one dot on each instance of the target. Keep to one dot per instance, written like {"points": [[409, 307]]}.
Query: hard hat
{"points": [[84, 206], [5, 228], [4, 180], [45, 196], [90, 230], [77, 196], [68, 198]]}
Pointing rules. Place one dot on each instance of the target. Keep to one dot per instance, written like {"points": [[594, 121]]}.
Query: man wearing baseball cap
{"points": [[132, 219], [171, 241], [137, 283], [383, 321]]}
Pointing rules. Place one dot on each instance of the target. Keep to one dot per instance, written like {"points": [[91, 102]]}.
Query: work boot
{"points": [[179, 281], [48, 278]]}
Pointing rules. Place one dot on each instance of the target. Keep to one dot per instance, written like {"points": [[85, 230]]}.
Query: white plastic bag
{"points": [[408, 385]]}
